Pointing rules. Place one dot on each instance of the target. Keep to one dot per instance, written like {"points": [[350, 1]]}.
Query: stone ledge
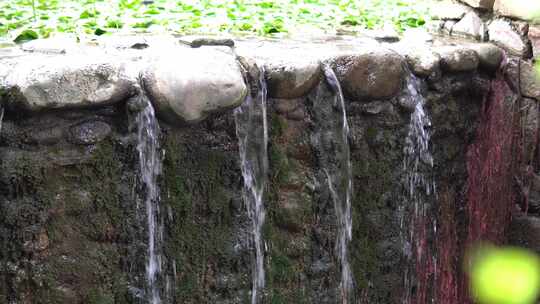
{"points": [[186, 85]]}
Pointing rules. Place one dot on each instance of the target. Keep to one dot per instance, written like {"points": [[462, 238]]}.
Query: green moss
{"points": [[197, 186]]}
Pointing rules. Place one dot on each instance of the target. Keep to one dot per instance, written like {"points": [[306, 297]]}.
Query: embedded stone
{"points": [[504, 35], [449, 10], [458, 59], [292, 79], [424, 63], [90, 132], [38, 82], [470, 26], [377, 74], [520, 9], [483, 4], [187, 85], [490, 56]]}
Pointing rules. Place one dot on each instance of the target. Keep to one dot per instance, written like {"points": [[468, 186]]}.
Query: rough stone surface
{"points": [[89, 132], [521, 9], [490, 56], [292, 79], [187, 85], [525, 232], [534, 37], [449, 10], [502, 33], [376, 74], [424, 63], [470, 26], [530, 84], [483, 4], [66, 81], [458, 59]]}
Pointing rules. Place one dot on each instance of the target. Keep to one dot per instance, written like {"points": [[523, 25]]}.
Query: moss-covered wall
{"points": [[71, 233]]}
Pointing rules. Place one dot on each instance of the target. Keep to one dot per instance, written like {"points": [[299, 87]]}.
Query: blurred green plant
{"points": [[258, 17], [504, 275]]}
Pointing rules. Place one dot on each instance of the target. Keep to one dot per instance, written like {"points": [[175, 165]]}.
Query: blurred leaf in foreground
{"points": [[505, 276]]}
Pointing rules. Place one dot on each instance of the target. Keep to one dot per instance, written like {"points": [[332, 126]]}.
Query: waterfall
{"points": [[252, 133], [150, 168], [338, 172], [417, 215], [1, 117]]}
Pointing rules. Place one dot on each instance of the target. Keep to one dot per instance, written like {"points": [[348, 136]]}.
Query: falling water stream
{"points": [[417, 213], [339, 179], [252, 133], [1, 117], [150, 168]]}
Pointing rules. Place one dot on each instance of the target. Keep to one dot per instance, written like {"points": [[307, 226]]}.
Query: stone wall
{"points": [[513, 25], [69, 230]]}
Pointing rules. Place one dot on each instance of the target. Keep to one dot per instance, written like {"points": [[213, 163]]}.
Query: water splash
{"points": [[417, 213], [340, 184], [150, 168], [252, 133]]}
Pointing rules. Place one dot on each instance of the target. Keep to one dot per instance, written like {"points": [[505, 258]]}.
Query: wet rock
{"points": [[483, 4], [470, 26], [458, 59], [187, 85], [38, 82], [284, 106], [298, 114], [89, 133], [449, 10], [292, 79], [448, 27], [490, 56], [529, 118], [58, 45], [377, 74], [424, 63], [530, 82], [517, 9], [502, 33], [376, 107], [525, 232], [196, 43], [40, 242]]}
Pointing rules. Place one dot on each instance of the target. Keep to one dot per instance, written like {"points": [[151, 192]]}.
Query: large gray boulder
{"points": [[502, 33], [39, 82], [187, 85], [371, 74]]}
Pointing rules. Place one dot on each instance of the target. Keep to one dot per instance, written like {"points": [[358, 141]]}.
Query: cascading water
{"points": [[150, 168], [338, 172], [1, 117], [252, 133], [417, 212]]}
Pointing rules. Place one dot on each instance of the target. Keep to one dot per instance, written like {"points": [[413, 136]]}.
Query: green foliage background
{"points": [[22, 20]]}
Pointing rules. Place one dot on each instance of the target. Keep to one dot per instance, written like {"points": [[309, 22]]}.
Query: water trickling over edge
{"points": [[340, 185], [252, 133], [150, 167], [417, 210], [1, 117]]}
